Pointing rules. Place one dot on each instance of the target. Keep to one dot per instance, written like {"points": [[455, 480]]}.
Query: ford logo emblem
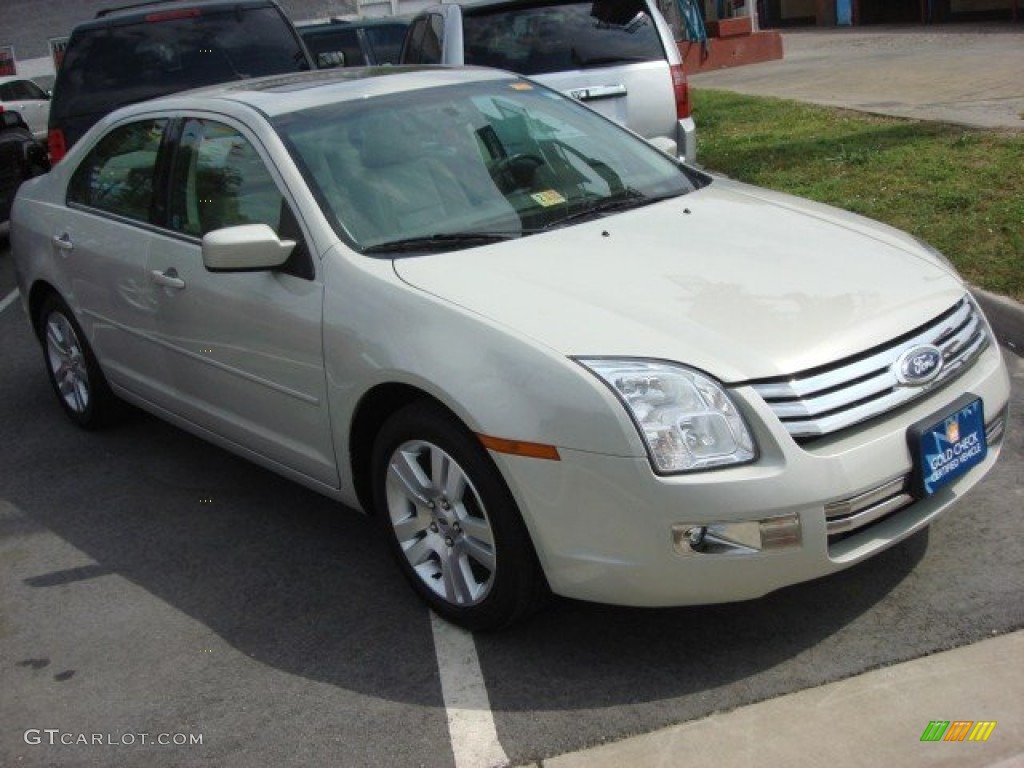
{"points": [[918, 365]]}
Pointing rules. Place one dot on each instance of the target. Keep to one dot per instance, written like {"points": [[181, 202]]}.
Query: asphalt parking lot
{"points": [[153, 584]]}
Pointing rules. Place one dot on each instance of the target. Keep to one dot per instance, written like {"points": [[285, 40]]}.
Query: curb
{"points": [[1006, 317]]}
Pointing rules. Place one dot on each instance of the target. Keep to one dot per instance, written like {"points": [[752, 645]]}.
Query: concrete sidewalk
{"points": [[964, 74], [875, 719]]}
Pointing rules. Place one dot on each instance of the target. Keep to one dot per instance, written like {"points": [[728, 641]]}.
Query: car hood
{"points": [[737, 281]]}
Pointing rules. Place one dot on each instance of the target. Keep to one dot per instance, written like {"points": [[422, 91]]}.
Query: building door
{"points": [[889, 11]]}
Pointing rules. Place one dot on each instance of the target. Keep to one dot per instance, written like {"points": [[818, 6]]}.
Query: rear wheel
{"points": [[452, 522], [74, 373]]}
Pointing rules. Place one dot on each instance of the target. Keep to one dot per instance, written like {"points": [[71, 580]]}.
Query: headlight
{"points": [[686, 420]]}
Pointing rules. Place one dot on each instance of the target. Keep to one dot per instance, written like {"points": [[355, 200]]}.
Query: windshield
{"points": [[458, 166]]}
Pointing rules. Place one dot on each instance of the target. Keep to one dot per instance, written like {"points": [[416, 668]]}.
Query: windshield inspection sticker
{"points": [[548, 198]]}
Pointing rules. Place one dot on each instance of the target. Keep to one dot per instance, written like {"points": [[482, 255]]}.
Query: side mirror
{"points": [[245, 248], [330, 59], [10, 119]]}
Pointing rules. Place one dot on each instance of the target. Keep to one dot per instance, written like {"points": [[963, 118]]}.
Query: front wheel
{"points": [[72, 368], [452, 522]]}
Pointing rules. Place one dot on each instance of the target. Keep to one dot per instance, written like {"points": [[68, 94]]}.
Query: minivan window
{"points": [[555, 37], [117, 176], [110, 66]]}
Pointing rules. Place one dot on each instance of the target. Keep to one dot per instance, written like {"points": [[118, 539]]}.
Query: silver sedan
{"points": [[545, 355]]}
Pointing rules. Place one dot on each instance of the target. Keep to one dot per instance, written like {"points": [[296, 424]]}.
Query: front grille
{"points": [[825, 400]]}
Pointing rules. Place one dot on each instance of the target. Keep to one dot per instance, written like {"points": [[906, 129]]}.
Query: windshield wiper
{"points": [[625, 200], [442, 241]]}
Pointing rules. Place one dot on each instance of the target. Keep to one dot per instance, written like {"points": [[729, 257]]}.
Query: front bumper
{"points": [[603, 525]]}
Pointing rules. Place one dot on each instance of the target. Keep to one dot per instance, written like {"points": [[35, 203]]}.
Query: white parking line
{"points": [[470, 722], [8, 300]]}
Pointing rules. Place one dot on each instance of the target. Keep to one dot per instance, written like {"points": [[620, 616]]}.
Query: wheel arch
{"points": [[37, 296], [375, 407]]}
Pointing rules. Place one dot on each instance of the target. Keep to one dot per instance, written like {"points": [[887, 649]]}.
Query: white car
{"points": [[546, 355], [25, 97], [618, 57]]}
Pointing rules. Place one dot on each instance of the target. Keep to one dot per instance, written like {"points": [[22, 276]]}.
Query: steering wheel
{"points": [[515, 171]]}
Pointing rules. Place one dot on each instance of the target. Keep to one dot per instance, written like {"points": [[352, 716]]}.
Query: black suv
{"points": [[21, 157], [140, 51]]}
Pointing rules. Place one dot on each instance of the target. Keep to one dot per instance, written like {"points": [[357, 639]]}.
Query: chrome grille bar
{"points": [[861, 510], [824, 401]]}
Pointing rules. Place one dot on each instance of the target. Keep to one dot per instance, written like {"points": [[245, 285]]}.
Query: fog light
{"points": [[746, 537]]}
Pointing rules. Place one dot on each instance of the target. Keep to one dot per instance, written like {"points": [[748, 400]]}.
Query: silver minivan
{"points": [[619, 57]]}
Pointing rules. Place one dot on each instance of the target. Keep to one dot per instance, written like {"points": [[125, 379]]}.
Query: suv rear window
{"points": [[555, 37], [121, 64]]}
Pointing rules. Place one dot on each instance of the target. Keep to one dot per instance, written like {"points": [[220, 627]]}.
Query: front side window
{"points": [[117, 176], [220, 180], [557, 36]]}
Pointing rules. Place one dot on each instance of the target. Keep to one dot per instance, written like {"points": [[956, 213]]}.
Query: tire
{"points": [[74, 374], [451, 521]]}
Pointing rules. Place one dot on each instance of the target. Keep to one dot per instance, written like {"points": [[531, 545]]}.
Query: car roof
{"points": [[280, 94], [134, 12]]}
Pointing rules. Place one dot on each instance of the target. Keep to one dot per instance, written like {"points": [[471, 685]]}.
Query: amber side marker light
{"points": [[520, 448]]}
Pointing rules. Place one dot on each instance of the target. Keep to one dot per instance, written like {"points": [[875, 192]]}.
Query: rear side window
{"points": [[124, 63], [556, 37], [117, 175], [385, 42], [20, 89], [425, 41]]}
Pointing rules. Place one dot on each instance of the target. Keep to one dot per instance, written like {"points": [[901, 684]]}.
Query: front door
{"points": [[243, 349]]}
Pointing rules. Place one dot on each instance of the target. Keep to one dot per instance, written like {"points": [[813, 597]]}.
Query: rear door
{"points": [[243, 350], [608, 55], [102, 239]]}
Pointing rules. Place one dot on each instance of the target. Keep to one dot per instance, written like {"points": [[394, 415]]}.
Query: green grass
{"points": [[962, 190]]}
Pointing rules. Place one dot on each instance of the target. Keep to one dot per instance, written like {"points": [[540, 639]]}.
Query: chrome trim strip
{"points": [[866, 499], [869, 515]]}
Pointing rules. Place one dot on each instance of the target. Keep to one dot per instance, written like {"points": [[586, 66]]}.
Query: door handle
{"points": [[63, 242], [596, 92], [169, 278]]}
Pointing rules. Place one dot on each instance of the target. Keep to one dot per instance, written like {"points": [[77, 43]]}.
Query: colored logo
{"points": [[958, 730], [918, 365], [953, 431]]}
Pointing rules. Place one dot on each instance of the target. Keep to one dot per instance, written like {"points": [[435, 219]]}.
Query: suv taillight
{"points": [[681, 90], [55, 143]]}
